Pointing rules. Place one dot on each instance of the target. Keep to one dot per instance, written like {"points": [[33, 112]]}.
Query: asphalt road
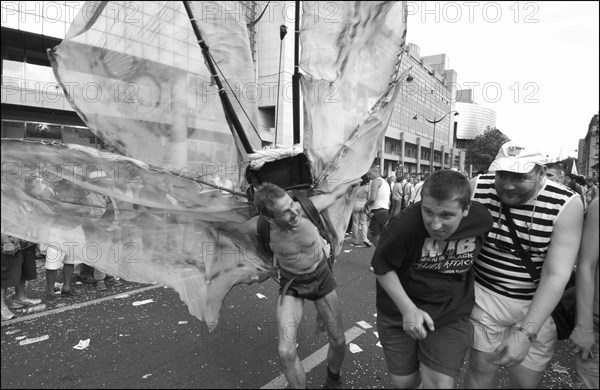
{"points": [[160, 345]]}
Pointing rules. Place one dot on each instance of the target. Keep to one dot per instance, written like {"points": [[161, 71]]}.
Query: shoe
{"points": [[27, 301], [7, 314], [359, 245], [113, 281], [14, 305], [100, 285], [69, 293], [88, 280], [368, 243], [333, 383]]}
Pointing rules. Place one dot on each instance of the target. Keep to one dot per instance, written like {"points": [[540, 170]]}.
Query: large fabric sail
{"points": [[137, 78], [129, 219], [350, 58], [135, 74]]}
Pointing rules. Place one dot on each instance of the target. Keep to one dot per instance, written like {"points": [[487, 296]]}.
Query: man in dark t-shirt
{"points": [[425, 282]]}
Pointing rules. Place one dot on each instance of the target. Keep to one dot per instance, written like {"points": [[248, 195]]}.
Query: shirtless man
{"points": [[301, 257]]}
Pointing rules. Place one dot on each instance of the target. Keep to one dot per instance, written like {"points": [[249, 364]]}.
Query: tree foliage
{"points": [[483, 149]]}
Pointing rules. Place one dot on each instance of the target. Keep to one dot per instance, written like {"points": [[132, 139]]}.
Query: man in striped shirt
{"points": [[511, 317]]}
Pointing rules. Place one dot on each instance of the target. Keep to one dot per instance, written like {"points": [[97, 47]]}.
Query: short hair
{"points": [[447, 184], [556, 166], [581, 180], [264, 197], [365, 179]]}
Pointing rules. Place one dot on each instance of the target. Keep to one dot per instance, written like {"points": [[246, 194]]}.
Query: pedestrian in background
{"points": [[378, 204], [360, 219], [18, 266], [585, 335]]}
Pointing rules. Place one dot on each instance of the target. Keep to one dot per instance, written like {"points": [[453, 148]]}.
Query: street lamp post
{"points": [[435, 122]]}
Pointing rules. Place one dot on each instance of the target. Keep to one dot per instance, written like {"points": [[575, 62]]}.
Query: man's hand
{"points": [[414, 323], [513, 349], [583, 342], [8, 248]]}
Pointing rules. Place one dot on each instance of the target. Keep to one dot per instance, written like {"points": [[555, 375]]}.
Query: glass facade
{"points": [[473, 120]]}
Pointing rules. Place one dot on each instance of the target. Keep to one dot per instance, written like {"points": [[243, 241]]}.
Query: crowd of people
{"points": [[455, 264], [19, 266]]}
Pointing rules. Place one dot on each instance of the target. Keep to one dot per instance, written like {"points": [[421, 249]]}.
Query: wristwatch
{"points": [[531, 336]]}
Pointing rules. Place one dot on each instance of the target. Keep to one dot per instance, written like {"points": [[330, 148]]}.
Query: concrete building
{"points": [[587, 154], [33, 105], [430, 96]]}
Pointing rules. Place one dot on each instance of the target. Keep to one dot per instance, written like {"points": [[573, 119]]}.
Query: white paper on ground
{"points": [[83, 344], [379, 344], [138, 303], [354, 348], [34, 340], [260, 296], [364, 324], [376, 334], [182, 322]]}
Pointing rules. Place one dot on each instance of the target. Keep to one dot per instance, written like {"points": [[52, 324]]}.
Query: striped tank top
{"points": [[497, 268]]}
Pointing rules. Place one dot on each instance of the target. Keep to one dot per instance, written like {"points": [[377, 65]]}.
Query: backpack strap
{"points": [[264, 235], [311, 212]]}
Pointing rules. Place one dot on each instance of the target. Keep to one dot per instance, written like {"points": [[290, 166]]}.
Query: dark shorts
{"points": [[443, 350], [378, 221], [312, 286], [17, 267]]}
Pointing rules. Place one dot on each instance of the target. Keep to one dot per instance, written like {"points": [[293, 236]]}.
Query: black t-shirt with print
{"points": [[436, 275]]}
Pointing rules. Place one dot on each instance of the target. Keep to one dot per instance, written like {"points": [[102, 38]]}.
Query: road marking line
{"points": [[313, 360], [75, 306]]}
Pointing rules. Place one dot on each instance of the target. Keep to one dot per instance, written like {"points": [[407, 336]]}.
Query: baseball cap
{"points": [[517, 158]]}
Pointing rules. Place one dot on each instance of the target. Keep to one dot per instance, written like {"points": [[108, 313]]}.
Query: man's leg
{"points": [[433, 379], [329, 309], [289, 314], [50, 280], [67, 289], [410, 381], [481, 372], [521, 377]]}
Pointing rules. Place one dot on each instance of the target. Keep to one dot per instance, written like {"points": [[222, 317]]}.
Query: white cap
{"points": [[517, 158]]}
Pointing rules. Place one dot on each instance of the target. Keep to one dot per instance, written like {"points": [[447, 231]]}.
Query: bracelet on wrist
{"points": [[578, 329]]}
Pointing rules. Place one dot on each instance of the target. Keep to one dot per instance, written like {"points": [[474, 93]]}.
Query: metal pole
{"points": [[282, 33], [431, 169]]}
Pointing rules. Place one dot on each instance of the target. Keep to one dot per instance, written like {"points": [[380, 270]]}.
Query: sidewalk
{"points": [[37, 289]]}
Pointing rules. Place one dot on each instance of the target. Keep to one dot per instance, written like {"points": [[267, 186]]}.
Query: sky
{"points": [[535, 63]]}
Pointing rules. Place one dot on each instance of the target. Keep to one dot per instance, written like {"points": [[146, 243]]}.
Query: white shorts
{"points": [[492, 317], [58, 247], [55, 259]]}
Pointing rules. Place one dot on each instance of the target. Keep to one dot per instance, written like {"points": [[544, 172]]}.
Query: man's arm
{"points": [[244, 228], [583, 336], [556, 271], [413, 318], [375, 184], [322, 202]]}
